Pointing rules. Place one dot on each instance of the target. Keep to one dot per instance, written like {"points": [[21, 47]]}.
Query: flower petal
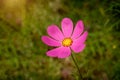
{"points": [[78, 44], [78, 29], [81, 39], [65, 52], [61, 52], [49, 41], [67, 27], [55, 32], [78, 48], [53, 52]]}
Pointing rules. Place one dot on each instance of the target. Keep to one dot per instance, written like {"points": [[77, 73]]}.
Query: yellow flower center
{"points": [[67, 42]]}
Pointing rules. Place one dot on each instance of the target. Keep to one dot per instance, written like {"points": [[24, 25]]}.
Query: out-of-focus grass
{"points": [[22, 53]]}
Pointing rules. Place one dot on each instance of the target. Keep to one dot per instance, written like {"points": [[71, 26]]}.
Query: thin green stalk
{"points": [[80, 76]]}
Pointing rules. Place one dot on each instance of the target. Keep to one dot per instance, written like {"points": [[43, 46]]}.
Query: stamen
{"points": [[67, 42]]}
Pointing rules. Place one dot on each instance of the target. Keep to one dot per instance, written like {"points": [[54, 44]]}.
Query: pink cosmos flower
{"points": [[65, 40]]}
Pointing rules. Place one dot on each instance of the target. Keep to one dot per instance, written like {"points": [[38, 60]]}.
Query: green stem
{"points": [[80, 76]]}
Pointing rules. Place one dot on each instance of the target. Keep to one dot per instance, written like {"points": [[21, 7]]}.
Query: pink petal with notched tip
{"points": [[78, 29], [53, 52], [61, 52], [55, 32], [78, 44], [67, 27], [78, 48], [65, 52], [49, 41]]}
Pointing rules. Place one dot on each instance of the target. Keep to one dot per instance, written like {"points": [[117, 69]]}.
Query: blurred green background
{"points": [[22, 53]]}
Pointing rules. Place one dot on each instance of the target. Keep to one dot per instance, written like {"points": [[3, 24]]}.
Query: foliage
{"points": [[22, 53]]}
